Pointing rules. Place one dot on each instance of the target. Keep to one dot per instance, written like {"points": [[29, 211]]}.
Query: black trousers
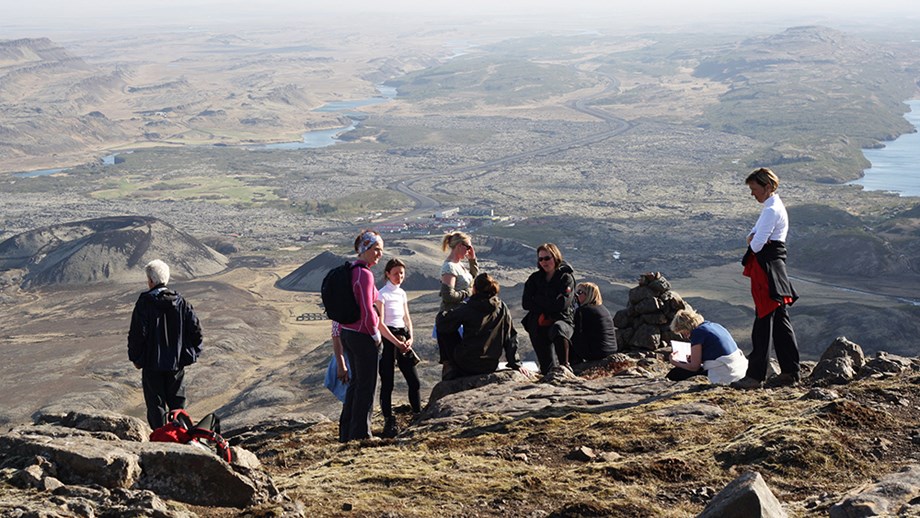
{"points": [[547, 343], [777, 325], [678, 374], [355, 420], [406, 366], [163, 391]]}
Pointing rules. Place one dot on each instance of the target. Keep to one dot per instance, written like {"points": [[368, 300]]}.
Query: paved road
{"points": [[426, 205]]}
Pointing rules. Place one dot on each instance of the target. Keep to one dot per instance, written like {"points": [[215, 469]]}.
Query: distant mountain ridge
{"points": [[112, 249]]}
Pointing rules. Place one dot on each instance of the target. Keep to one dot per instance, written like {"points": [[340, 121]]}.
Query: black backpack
{"points": [[338, 297]]}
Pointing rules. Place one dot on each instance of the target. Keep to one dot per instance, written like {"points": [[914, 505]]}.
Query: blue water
{"points": [[896, 167], [106, 160], [322, 138]]}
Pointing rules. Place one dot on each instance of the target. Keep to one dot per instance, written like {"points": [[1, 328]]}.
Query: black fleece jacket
{"points": [[165, 334]]}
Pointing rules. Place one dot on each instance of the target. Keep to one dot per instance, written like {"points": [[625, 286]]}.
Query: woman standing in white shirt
{"points": [[393, 306], [765, 263]]}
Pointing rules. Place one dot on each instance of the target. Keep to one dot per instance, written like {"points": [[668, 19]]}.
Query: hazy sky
{"points": [[77, 13]]}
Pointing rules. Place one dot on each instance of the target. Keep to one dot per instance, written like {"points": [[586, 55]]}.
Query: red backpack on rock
{"points": [[206, 433], [176, 429]]}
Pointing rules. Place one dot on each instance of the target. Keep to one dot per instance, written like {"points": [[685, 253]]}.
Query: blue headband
{"points": [[368, 240]]}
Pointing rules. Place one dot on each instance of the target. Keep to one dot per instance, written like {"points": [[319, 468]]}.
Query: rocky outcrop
{"points": [[121, 426], [106, 470], [894, 495], [844, 361], [112, 249], [645, 323]]}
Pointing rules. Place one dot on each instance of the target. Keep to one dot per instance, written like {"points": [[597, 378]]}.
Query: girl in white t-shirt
{"points": [[393, 307]]}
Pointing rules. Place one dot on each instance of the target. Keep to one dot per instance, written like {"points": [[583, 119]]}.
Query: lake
{"points": [[322, 138], [896, 167]]}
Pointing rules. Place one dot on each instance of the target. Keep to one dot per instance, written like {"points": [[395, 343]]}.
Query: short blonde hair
{"points": [[157, 272], [453, 239], [592, 293], [686, 320], [763, 177]]}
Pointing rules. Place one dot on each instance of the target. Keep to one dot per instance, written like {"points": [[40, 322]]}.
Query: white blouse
{"points": [[772, 225]]}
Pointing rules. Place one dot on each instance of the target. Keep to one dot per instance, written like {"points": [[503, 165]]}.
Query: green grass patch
{"points": [[221, 190]]}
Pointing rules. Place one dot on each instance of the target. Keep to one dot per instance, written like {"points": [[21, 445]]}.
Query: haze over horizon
{"points": [[52, 16]]}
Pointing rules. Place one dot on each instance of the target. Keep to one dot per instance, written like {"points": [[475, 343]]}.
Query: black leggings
{"points": [[390, 356], [355, 421]]}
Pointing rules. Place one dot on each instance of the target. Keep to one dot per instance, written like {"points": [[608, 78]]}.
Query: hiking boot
{"points": [[389, 428], [747, 383], [784, 379]]}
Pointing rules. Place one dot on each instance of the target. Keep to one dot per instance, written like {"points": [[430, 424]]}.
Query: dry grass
{"points": [[804, 448]]}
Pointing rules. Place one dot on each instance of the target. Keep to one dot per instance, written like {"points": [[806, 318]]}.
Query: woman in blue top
{"points": [[713, 351]]}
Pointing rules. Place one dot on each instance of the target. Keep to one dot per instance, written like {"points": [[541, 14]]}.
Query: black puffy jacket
{"points": [[552, 298], [165, 334]]}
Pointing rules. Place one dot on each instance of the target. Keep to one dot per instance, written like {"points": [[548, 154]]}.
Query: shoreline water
{"points": [[896, 167]]}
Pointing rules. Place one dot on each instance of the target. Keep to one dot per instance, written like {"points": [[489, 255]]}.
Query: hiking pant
{"points": [[678, 374], [406, 366], [546, 340], [163, 391], [355, 421], [778, 325]]}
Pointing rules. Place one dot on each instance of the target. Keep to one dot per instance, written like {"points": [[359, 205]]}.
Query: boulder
{"points": [[893, 495], [187, 474], [512, 396], [78, 460], [179, 472], [842, 347], [123, 427], [744, 497], [465, 383], [834, 371], [885, 363]]}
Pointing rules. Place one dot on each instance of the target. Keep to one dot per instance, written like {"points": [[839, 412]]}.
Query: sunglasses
{"points": [[579, 292], [544, 258]]}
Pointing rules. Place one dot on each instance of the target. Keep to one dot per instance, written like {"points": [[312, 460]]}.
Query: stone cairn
{"points": [[645, 323]]}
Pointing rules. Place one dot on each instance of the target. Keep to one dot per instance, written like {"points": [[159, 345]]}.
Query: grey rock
{"points": [[123, 427], [511, 397], [822, 394], [187, 474], [893, 495], [690, 412], [744, 497], [465, 383], [885, 363], [834, 371], [842, 347], [174, 471], [245, 458], [83, 460], [582, 454]]}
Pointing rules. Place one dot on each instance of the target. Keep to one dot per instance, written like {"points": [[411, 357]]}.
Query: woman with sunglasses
{"points": [[548, 296], [595, 337], [456, 285]]}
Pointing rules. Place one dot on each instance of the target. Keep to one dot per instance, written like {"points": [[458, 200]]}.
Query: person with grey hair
{"points": [[713, 351], [164, 338]]}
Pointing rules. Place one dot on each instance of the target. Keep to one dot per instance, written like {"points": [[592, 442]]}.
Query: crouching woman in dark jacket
{"points": [[487, 332]]}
